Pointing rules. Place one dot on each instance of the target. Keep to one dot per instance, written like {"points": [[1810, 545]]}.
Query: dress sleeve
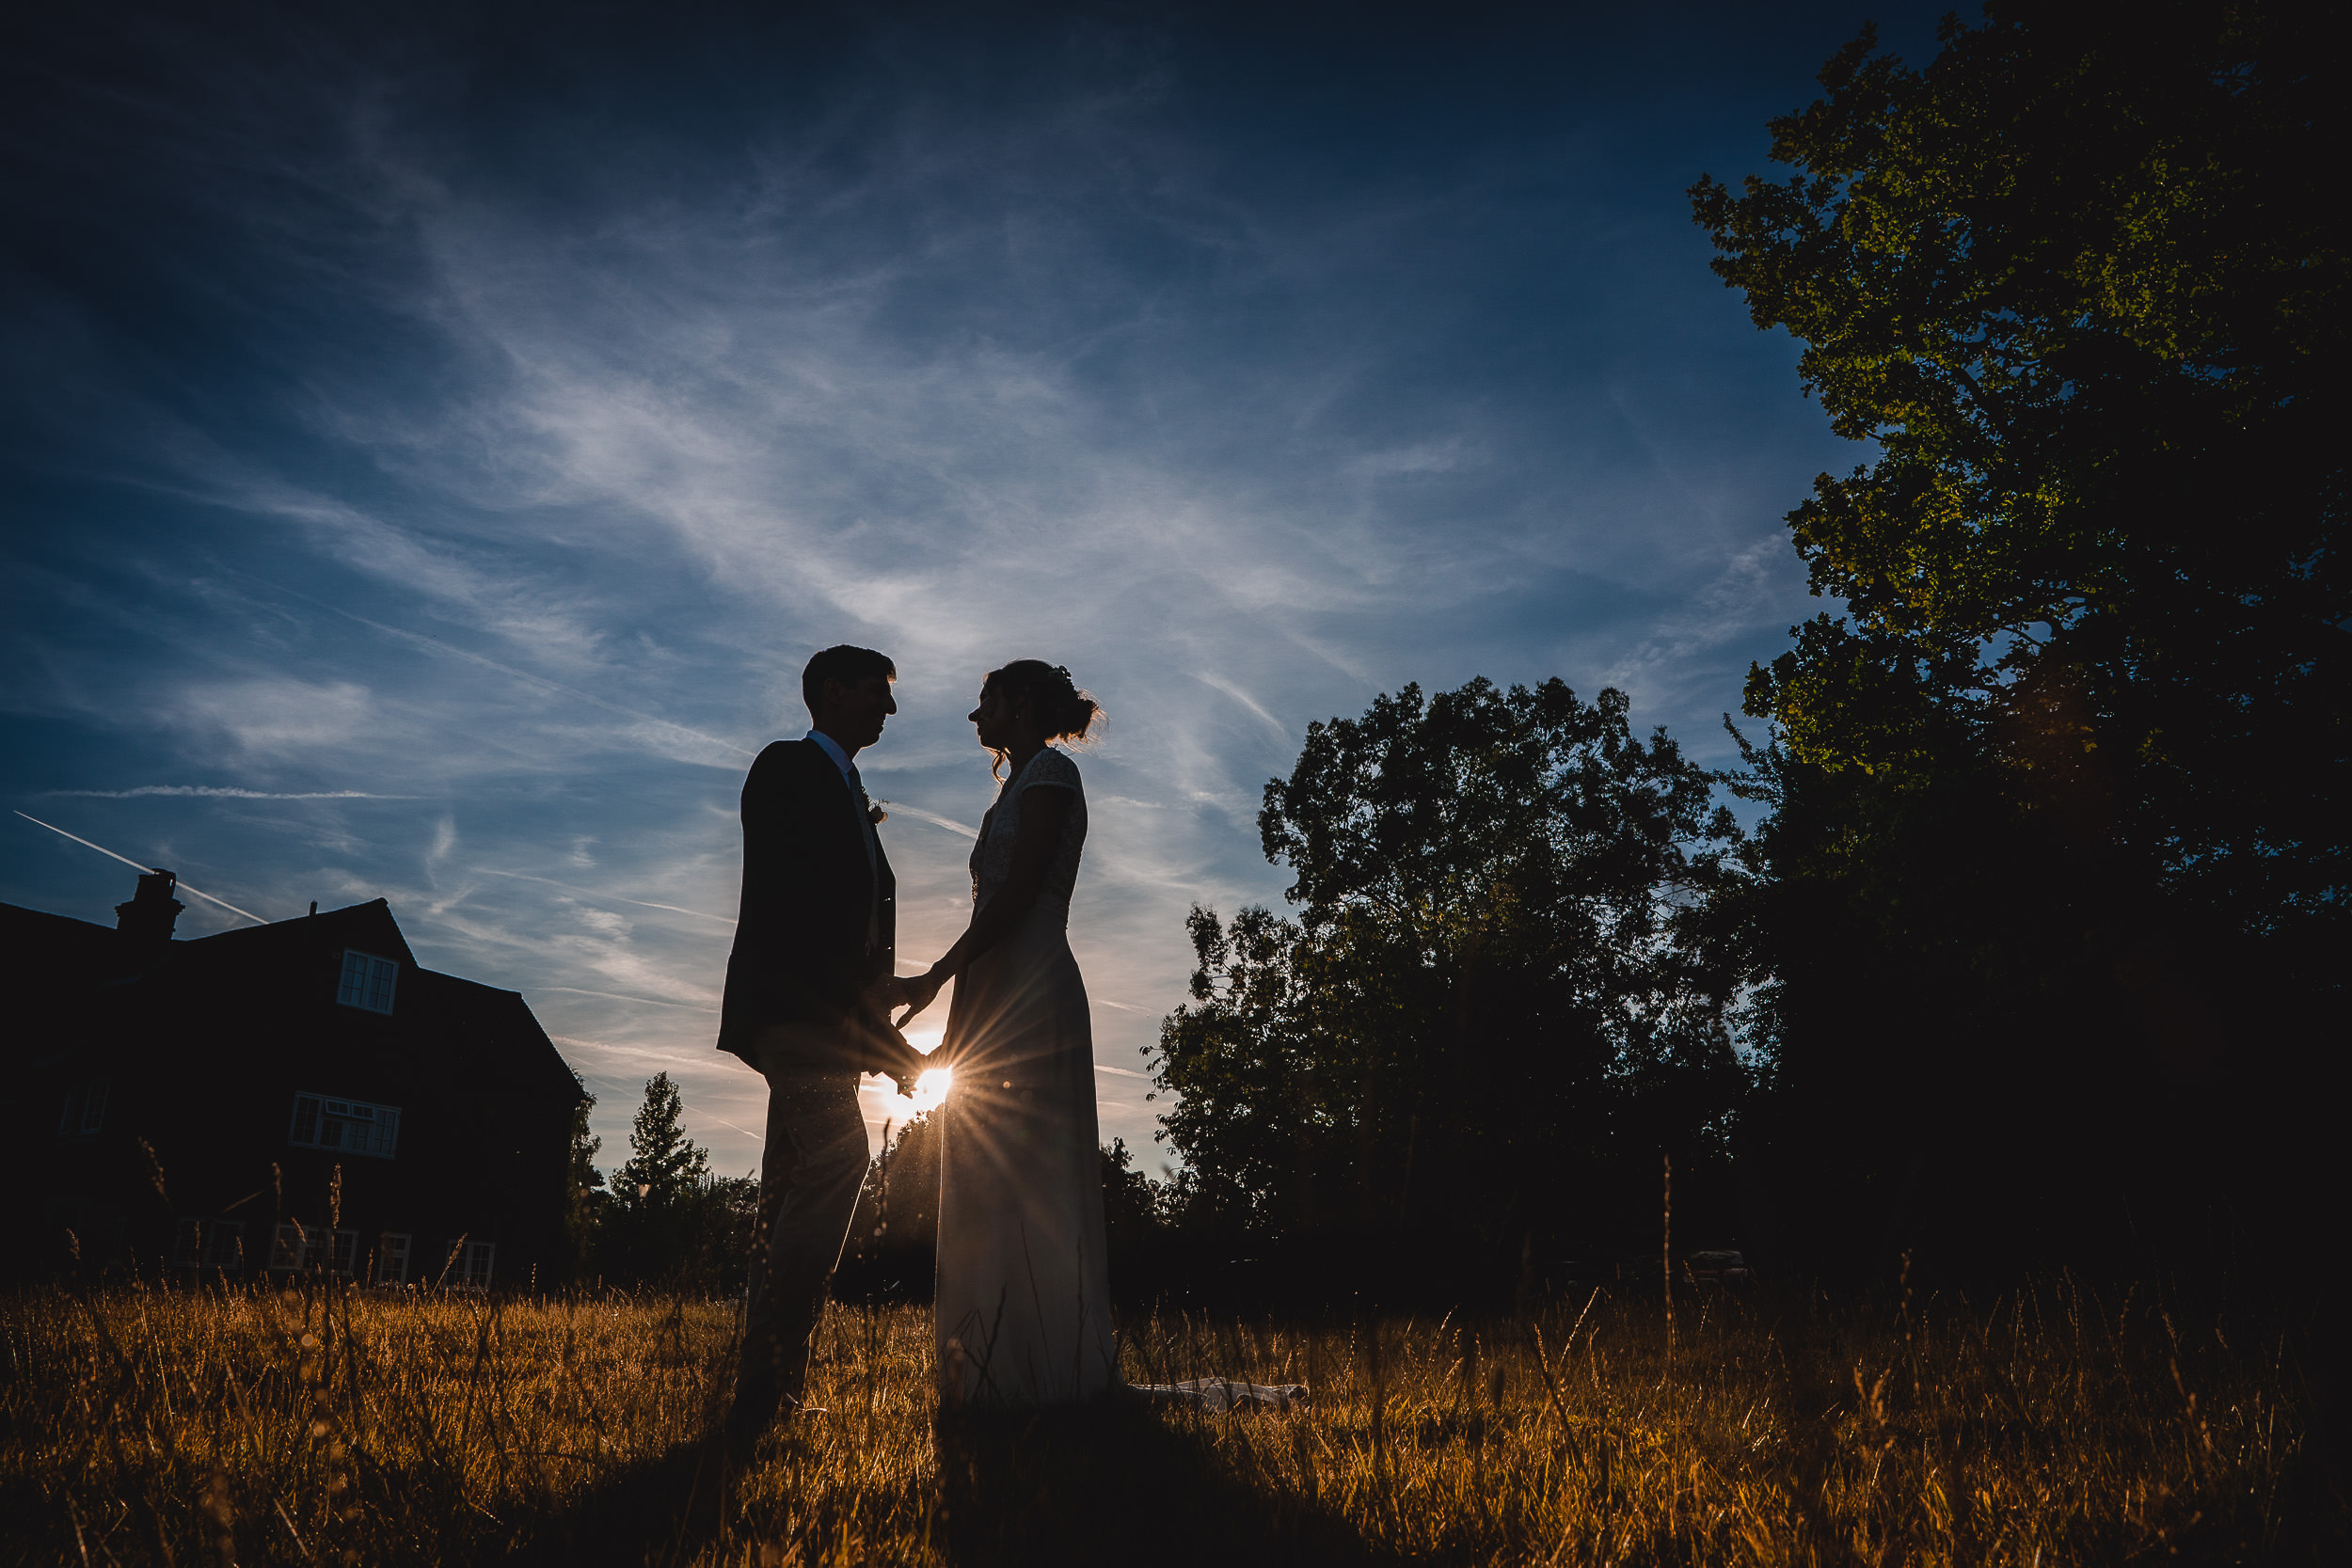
{"points": [[1052, 769]]}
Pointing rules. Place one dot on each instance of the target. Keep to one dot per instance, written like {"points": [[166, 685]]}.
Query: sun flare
{"points": [[930, 1089]]}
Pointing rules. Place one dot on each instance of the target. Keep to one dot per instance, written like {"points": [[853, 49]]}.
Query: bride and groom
{"points": [[1022, 1311]]}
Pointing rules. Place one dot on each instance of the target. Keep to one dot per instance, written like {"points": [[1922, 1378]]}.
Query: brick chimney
{"points": [[143, 925]]}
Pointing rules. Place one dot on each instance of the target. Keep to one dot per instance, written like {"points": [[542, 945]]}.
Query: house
{"points": [[297, 1095]]}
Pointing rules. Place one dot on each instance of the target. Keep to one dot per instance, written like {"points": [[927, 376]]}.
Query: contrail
{"points": [[611, 898], [128, 861], [217, 792], [931, 816], [1244, 699], [648, 1001]]}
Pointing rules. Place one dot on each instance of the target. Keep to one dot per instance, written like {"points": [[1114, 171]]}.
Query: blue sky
{"points": [[435, 446]]}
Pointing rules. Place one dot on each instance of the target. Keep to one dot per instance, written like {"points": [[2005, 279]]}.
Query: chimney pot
{"points": [[144, 924]]}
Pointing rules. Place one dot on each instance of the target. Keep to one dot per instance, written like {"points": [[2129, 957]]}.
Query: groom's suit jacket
{"points": [[819, 920]]}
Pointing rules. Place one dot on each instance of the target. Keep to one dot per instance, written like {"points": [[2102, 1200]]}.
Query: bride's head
{"points": [[1028, 703]]}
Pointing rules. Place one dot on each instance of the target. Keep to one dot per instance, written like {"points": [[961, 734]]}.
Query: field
{"points": [[320, 1425]]}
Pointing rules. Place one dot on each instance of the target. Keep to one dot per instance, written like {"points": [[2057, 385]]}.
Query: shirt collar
{"points": [[833, 749]]}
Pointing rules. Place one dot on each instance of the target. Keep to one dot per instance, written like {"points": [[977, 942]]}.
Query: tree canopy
{"points": [[1486, 1003], [2055, 879], [2079, 283]]}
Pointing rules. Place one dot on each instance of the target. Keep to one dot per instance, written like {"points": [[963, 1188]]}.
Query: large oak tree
{"points": [[2059, 848]]}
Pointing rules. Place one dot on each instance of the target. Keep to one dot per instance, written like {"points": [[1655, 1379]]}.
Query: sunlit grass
{"points": [[142, 1425]]}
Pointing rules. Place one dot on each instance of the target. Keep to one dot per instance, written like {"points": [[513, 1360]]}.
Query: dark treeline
{"points": [[663, 1220]]}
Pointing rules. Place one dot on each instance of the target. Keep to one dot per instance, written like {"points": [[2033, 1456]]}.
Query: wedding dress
{"points": [[1023, 1310], [1023, 1296]]}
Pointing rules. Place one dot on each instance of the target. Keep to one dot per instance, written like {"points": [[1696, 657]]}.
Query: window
{"points": [[344, 1126], [202, 1244], [91, 1225], [469, 1264], [391, 1257], [367, 981], [82, 1110], [287, 1245], [224, 1244], [297, 1247]]}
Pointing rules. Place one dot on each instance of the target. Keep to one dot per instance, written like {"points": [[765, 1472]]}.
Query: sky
{"points": [[436, 437]]}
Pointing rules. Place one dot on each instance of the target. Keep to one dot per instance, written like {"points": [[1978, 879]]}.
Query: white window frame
{"points": [[393, 1251], [369, 980], [342, 1126], [197, 1243], [470, 1264], [82, 1109], [297, 1249], [224, 1245]]}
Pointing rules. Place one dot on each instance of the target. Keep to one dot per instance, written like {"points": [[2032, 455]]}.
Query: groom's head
{"points": [[848, 693]]}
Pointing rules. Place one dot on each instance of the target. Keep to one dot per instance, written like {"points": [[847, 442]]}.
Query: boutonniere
{"points": [[875, 815]]}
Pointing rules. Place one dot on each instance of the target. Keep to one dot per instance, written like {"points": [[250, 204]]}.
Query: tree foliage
{"points": [[2080, 283], [668, 1220], [2055, 872], [584, 1194], [1486, 1009]]}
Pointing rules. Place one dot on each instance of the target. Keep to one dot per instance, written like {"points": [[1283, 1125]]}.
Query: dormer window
{"points": [[344, 1126], [367, 981]]}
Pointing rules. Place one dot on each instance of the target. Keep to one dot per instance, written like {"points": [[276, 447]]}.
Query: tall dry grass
{"points": [[142, 1425]]}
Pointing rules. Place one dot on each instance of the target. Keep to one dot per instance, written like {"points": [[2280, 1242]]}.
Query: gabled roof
{"points": [[33, 939], [55, 965], [49, 965], [368, 927]]}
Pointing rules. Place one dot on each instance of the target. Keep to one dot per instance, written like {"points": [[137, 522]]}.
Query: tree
{"points": [[1484, 1019], [664, 1166], [2083, 288], [2054, 796], [584, 1189], [652, 1228], [894, 1232]]}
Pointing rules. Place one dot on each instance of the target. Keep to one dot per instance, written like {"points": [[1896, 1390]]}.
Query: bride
{"points": [[1024, 1292], [1023, 1313]]}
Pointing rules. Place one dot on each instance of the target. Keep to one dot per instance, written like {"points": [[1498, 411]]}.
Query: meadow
{"points": [[320, 1424]]}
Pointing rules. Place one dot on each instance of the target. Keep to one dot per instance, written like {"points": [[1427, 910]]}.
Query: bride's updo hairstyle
{"points": [[1063, 712]]}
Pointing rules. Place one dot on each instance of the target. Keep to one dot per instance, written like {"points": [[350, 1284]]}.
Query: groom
{"points": [[809, 989]]}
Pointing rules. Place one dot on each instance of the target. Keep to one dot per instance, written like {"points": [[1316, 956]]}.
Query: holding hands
{"points": [[917, 992], [900, 1061], [914, 992]]}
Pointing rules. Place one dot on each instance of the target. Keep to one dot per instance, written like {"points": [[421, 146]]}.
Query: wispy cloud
{"points": [[527, 481]]}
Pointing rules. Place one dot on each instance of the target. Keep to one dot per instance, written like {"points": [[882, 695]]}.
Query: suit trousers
{"points": [[809, 1179]]}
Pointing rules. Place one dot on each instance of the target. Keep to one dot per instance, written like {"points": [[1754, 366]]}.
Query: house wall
{"points": [[203, 1053]]}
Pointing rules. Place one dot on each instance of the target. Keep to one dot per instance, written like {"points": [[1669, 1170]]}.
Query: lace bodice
{"points": [[1000, 830]]}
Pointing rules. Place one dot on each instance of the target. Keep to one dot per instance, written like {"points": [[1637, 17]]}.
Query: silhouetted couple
{"points": [[1022, 1310]]}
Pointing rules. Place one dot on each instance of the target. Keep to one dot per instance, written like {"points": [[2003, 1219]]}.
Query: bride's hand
{"points": [[918, 992]]}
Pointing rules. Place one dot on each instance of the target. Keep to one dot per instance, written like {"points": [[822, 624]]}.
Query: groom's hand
{"points": [[910, 1066], [917, 993]]}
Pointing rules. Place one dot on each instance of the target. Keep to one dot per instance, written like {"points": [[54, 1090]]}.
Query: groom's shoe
{"points": [[756, 1401], [758, 1405]]}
